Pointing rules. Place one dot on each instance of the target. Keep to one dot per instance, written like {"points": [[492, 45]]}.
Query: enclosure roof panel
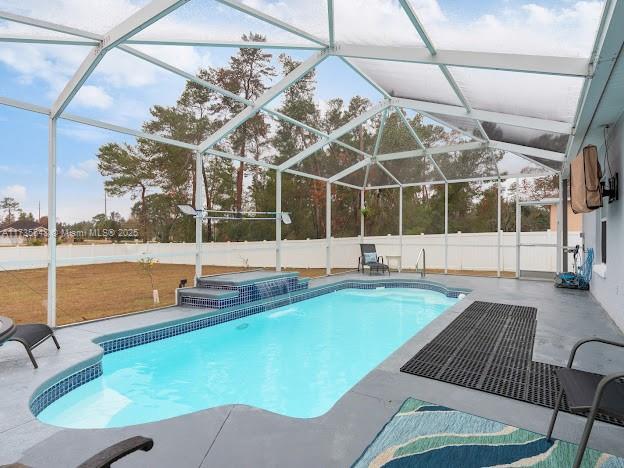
{"points": [[512, 77]]}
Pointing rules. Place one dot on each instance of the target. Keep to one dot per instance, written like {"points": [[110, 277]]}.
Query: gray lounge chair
{"points": [[589, 394], [117, 451], [30, 335], [109, 455], [370, 259]]}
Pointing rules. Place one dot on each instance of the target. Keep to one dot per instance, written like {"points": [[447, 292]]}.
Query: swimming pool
{"points": [[296, 360]]}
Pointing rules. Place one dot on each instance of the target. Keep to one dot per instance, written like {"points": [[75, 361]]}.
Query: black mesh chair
{"points": [[589, 394], [30, 335], [370, 259]]}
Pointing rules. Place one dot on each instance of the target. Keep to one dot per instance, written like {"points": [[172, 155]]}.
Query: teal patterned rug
{"points": [[425, 435]]}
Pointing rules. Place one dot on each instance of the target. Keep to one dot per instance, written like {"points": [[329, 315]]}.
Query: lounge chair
{"points": [[109, 455], [370, 259], [117, 451], [589, 394], [30, 335]]}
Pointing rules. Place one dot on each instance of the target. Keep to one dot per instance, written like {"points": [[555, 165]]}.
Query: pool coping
{"points": [[266, 276], [89, 369], [243, 435]]}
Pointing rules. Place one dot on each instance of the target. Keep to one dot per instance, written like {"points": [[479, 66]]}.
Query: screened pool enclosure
{"points": [[518, 102]]}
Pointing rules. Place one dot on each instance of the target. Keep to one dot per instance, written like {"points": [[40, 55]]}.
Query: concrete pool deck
{"points": [[239, 435]]}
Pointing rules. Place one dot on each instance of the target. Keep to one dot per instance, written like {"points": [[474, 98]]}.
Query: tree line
{"points": [[158, 177]]}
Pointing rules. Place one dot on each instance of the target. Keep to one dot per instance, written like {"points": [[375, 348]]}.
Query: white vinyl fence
{"points": [[465, 252]]}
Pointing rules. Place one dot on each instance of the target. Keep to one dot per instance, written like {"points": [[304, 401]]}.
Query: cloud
{"points": [[125, 87], [50, 67], [77, 173], [566, 28], [82, 170], [548, 28], [83, 132], [16, 191], [89, 165], [93, 96]]}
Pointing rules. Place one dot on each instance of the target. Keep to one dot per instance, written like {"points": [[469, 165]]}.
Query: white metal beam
{"points": [[469, 179], [128, 131], [92, 39], [330, 21], [313, 130], [489, 116], [548, 65], [498, 228], [349, 170], [533, 161], [147, 15], [437, 168], [24, 105], [218, 89], [272, 20], [365, 76], [235, 157], [328, 240], [199, 208], [419, 142], [362, 206], [77, 80], [446, 225], [607, 46], [217, 43], [529, 151], [344, 184], [473, 145], [264, 99], [323, 179], [49, 26], [140, 20], [389, 186], [411, 14], [380, 131], [445, 122], [30, 39], [189, 76], [388, 173], [366, 176], [278, 221], [335, 135], [407, 8], [462, 98], [410, 129], [305, 174], [52, 234], [400, 229]]}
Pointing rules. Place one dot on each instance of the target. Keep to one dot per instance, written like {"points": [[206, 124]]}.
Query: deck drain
{"points": [[489, 347]]}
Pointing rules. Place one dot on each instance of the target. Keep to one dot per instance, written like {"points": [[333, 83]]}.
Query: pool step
{"points": [[215, 292]]}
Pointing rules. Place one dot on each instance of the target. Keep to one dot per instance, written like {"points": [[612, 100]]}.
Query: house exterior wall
{"points": [[607, 284], [575, 221]]}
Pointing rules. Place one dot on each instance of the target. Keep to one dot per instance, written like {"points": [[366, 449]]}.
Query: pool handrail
{"points": [[421, 254]]}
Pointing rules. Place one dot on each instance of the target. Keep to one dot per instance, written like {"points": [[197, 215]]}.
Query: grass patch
{"points": [[87, 292]]}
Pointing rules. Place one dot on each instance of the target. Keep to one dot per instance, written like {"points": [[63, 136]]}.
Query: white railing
{"points": [[466, 251], [422, 255]]}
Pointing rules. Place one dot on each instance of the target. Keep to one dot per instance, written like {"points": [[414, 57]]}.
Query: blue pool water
{"points": [[296, 360]]}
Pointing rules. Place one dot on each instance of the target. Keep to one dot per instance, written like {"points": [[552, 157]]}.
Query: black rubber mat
{"points": [[489, 347]]}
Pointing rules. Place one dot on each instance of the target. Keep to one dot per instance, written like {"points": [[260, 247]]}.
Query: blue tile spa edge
{"points": [[246, 292], [49, 393]]}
